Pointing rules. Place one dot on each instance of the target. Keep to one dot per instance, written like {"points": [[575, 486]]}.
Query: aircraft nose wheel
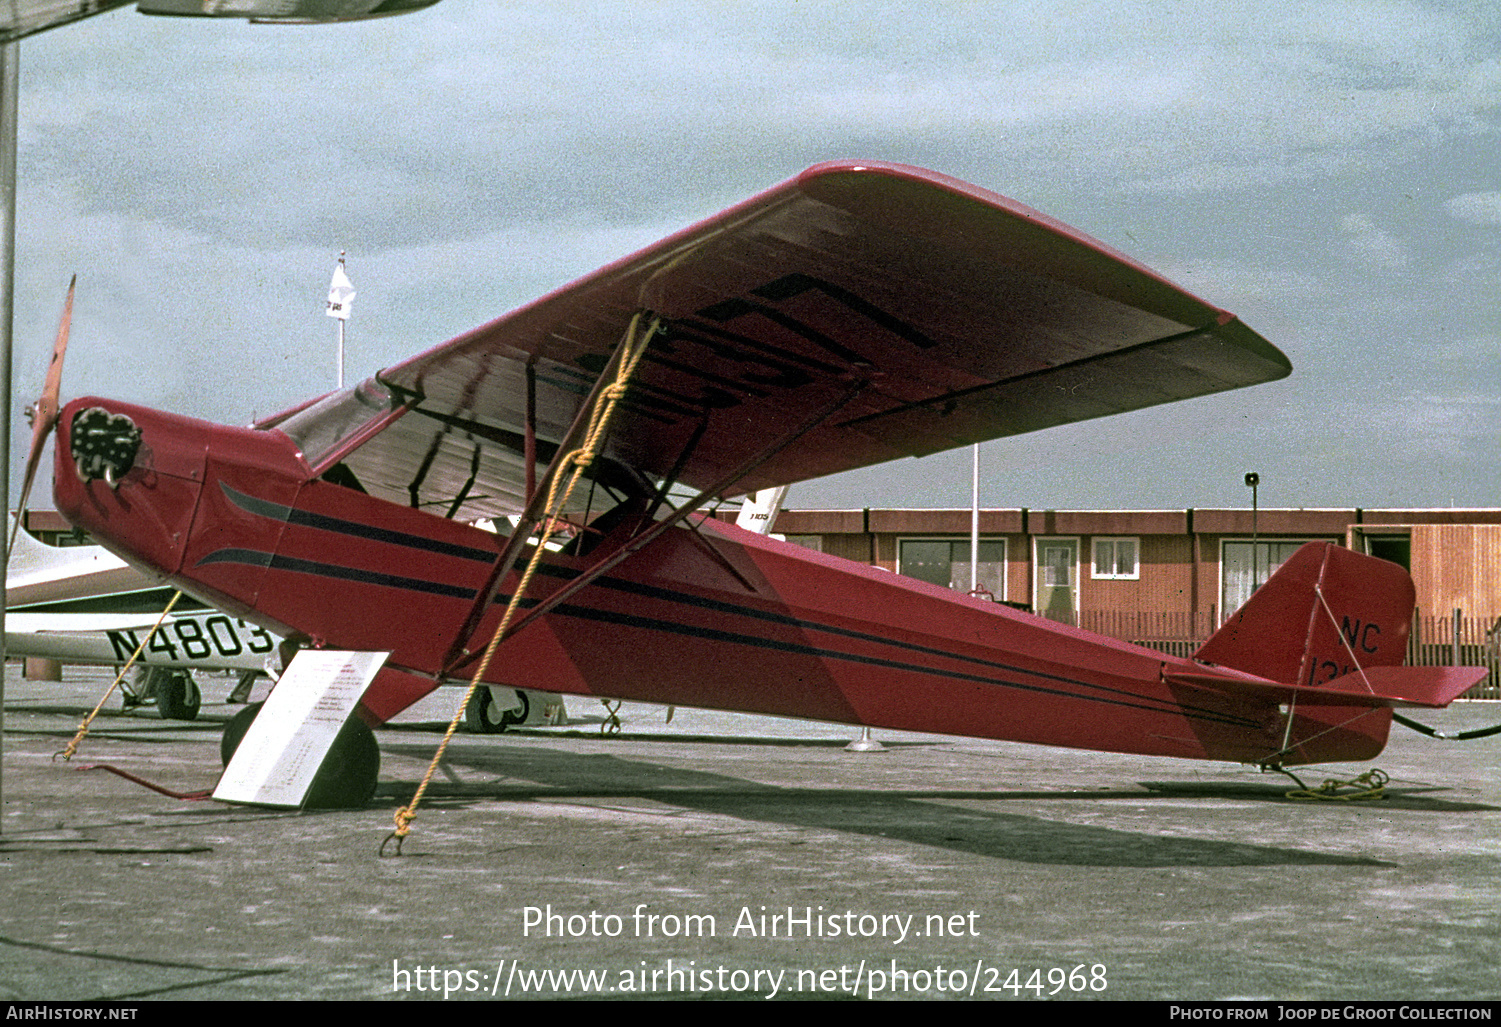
{"points": [[347, 778]]}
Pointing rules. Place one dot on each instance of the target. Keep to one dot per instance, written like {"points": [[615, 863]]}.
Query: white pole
{"points": [[974, 524], [340, 364]]}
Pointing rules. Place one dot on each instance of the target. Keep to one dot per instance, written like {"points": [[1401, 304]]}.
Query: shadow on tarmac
{"points": [[905, 816]]}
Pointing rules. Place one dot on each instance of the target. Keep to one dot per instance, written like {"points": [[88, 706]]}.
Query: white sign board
{"points": [[281, 753]]}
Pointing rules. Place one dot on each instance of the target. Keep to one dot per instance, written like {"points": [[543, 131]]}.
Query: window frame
{"points": [[961, 540], [1114, 541], [1263, 540]]}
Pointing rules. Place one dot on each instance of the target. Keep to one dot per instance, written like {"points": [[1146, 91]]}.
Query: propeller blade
{"points": [[43, 412]]}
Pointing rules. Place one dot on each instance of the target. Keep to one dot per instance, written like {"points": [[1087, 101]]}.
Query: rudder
{"points": [[1327, 612]]}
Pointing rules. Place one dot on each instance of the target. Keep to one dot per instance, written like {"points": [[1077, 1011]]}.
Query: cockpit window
{"points": [[324, 430]]}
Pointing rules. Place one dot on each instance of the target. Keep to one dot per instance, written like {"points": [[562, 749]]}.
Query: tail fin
{"points": [[1326, 613], [1328, 634]]}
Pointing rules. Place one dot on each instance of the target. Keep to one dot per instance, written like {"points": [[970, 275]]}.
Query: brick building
{"points": [[1088, 566]]}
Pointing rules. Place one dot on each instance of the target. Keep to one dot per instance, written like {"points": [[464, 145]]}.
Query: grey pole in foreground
{"points": [[10, 83]]}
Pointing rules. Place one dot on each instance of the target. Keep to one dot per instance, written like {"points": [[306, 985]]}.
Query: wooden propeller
{"points": [[43, 413]]}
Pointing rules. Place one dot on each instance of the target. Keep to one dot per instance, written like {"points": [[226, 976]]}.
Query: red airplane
{"points": [[857, 313]]}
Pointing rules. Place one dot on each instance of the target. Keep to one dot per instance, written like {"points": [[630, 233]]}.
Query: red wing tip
{"points": [[913, 173], [828, 171]]}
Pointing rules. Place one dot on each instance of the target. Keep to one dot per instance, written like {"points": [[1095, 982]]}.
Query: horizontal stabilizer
{"points": [[1374, 686]]}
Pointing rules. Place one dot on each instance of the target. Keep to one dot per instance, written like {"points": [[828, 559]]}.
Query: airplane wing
{"points": [[39, 573], [857, 313], [21, 18]]}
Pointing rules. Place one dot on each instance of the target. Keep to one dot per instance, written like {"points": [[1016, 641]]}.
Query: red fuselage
{"points": [[236, 517]]}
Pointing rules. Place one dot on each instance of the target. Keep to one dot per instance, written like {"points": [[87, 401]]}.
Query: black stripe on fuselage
{"points": [[717, 606], [292, 516], [801, 649], [256, 558], [305, 518], [1135, 701]]}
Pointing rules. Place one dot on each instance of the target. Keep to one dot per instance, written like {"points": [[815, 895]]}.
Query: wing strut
{"points": [[529, 451], [601, 405], [640, 541], [633, 343]]}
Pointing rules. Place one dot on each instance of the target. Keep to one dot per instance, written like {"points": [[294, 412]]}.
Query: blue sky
{"points": [[1326, 171]]}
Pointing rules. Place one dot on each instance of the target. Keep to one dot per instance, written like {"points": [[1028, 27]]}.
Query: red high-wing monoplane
{"points": [[855, 314]]}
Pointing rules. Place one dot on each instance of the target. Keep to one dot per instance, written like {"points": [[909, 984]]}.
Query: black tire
{"points": [[483, 715], [349, 772], [177, 695], [234, 731]]}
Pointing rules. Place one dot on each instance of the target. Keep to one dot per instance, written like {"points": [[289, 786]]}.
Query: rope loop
{"points": [[404, 817]]}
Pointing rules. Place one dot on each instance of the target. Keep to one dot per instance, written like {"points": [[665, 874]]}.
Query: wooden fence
{"points": [[1451, 640], [1458, 641]]}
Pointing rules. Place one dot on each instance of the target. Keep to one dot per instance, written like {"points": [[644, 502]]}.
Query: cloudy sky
{"points": [[1329, 172]]}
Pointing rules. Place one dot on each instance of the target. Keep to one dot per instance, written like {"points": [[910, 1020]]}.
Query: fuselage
{"points": [[707, 615]]}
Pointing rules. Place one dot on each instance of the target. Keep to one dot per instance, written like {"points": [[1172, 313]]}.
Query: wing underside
{"points": [[856, 314]]}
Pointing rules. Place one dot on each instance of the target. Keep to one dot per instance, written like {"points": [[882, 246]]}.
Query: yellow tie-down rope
{"points": [[83, 728], [1370, 785], [635, 344]]}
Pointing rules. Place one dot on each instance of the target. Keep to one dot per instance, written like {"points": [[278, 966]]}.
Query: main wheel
{"points": [[346, 780], [484, 716], [234, 731], [177, 695]]}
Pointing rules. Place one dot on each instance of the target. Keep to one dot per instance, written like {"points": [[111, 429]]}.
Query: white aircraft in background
{"points": [[84, 605]]}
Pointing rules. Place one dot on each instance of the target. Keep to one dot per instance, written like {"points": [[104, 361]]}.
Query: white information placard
{"points": [[287, 742]]}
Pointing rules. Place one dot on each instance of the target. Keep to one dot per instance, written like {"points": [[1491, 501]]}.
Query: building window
{"points": [[1057, 566], [813, 542], [946, 562], [1243, 569], [1116, 558], [1396, 548]]}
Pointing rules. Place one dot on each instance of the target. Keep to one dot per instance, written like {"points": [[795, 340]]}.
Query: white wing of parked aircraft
{"points": [[84, 605], [20, 18], [39, 573]]}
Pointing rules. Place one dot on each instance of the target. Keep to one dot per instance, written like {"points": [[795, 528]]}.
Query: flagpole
{"points": [[340, 383], [974, 522], [340, 296]]}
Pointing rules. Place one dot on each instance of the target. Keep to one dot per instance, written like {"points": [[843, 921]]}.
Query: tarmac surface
{"points": [[562, 862]]}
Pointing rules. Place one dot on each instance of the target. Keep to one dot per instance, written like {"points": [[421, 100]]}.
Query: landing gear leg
{"points": [[241, 693]]}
